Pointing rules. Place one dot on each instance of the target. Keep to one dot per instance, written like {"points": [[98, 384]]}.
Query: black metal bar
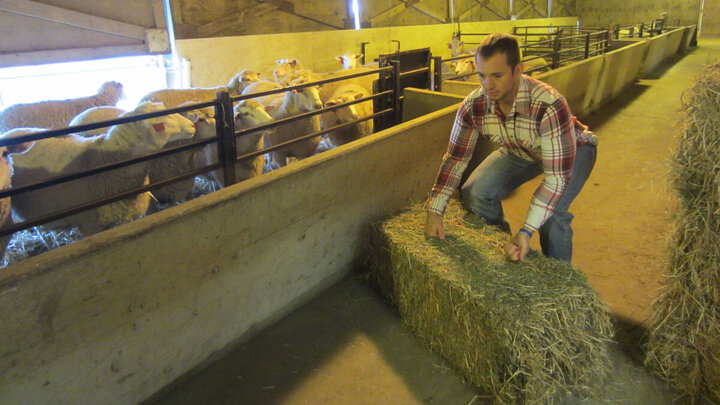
{"points": [[396, 92], [556, 49], [312, 135], [437, 73], [225, 129], [102, 124], [105, 168], [363, 46]]}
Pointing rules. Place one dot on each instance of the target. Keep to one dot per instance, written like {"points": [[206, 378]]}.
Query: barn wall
{"points": [[592, 82], [710, 18], [593, 13], [215, 18], [214, 61], [113, 318]]}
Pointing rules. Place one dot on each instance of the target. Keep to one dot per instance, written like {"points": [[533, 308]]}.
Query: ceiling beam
{"points": [[58, 15]]}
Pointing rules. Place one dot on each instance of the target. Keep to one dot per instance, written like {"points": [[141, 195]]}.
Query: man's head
{"points": [[499, 67]]}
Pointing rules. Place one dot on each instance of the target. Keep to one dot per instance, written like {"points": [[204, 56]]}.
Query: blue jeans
{"points": [[501, 173]]}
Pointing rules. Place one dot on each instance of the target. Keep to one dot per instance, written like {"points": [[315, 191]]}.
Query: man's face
{"points": [[499, 80]]}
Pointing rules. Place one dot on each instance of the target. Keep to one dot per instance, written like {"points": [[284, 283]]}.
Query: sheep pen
{"points": [[684, 338], [524, 332]]}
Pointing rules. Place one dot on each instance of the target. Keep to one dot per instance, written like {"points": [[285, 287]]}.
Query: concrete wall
{"points": [[660, 48], [710, 18], [577, 82], [114, 317], [214, 61], [622, 68], [592, 82]]}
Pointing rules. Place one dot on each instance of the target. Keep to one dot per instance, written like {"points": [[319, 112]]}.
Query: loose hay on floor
{"points": [[523, 332], [684, 340]]}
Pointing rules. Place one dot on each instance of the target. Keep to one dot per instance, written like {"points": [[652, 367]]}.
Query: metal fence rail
{"points": [[225, 139], [556, 45]]}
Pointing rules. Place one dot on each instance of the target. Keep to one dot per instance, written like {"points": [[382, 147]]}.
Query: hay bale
{"points": [[522, 331], [684, 339]]}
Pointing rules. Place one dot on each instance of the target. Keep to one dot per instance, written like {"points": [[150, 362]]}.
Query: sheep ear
{"points": [[269, 108], [329, 104], [293, 62], [358, 96]]}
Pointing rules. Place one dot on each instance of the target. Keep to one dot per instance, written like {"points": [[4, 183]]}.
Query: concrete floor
{"points": [[348, 347]]}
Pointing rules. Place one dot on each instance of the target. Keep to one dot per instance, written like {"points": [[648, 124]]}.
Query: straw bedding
{"points": [[523, 332], [684, 340]]}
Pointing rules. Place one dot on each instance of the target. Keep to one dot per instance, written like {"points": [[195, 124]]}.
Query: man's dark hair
{"points": [[503, 43]]}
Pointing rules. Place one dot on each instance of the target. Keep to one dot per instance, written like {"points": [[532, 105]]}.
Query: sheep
{"points": [[174, 97], [328, 89], [181, 162], [259, 87], [466, 66], [248, 114], [53, 157], [55, 114], [350, 60], [241, 80], [457, 47], [6, 174], [285, 67], [344, 94], [292, 103], [537, 63], [93, 115]]}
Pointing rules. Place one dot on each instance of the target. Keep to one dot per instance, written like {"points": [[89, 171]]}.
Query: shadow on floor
{"points": [[346, 335]]}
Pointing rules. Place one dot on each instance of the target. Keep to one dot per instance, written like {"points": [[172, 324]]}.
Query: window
{"points": [[27, 84]]}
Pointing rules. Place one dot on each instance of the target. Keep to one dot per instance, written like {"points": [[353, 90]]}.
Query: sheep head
{"points": [[6, 168], [345, 114], [110, 93], [306, 99], [350, 60], [286, 66], [250, 114]]}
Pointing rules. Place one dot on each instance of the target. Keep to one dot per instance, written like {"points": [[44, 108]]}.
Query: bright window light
{"points": [[28, 84], [356, 13]]}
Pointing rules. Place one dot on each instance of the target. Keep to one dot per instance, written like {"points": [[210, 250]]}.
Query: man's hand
{"points": [[518, 247], [434, 226]]}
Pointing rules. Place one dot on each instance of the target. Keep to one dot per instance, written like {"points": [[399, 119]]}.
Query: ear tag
{"points": [[159, 126]]}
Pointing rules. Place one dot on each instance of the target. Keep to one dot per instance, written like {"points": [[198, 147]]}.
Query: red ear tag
{"points": [[159, 126]]}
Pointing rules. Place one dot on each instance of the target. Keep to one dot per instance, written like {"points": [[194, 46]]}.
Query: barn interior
{"points": [[255, 292]]}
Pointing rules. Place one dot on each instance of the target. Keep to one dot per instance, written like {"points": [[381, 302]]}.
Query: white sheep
{"points": [[182, 162], [466, 66], [6, 174], [328, 89], [55, 114], [175, 97], [259, 87], [248, 114], [287, 105], [241, 80], [93, 115], [53, 157], [285, 67], [350, 60], [344, 94]]}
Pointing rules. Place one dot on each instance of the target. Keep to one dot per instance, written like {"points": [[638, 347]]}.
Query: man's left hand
{"points": [[518, 247]]}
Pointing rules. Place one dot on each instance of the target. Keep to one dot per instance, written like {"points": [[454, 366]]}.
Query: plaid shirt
{"points": [[539, 128]]}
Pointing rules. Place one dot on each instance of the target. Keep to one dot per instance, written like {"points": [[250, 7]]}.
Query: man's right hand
{"points": [[434, 226]]}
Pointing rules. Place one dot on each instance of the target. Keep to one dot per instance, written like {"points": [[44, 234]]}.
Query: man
{"points": [[536, 132]]}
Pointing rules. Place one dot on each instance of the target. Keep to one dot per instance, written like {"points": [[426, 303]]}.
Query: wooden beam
{"points": [[159, 13], [67, 55], [40, 11], [425, 10], [284, 5], [388, 13], [231, 21]]}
